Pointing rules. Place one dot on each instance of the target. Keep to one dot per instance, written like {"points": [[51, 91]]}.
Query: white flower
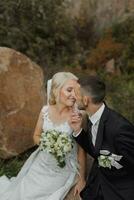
{"points": [[106, 159], [67, 148], [59, 144], [59, 153]]}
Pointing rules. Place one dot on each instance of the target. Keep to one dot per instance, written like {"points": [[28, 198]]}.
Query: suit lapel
{"points": [[100, 132]]}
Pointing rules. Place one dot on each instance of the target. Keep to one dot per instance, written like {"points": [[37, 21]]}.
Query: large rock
{"points": [[22, 95]]}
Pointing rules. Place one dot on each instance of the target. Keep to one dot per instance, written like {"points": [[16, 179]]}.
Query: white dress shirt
{"points": [[95, 119]]}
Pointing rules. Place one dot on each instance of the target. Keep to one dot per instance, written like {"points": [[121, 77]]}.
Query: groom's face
{"points": [[82, 100]]}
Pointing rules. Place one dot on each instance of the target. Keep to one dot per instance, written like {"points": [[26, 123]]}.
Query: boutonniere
{"points": [[107, 159]]}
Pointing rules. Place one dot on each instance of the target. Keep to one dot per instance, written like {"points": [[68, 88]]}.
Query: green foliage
{"points": [[12, 166], [105, 50], [124, 32], [120, 93], [85, 31], [39, 29]]}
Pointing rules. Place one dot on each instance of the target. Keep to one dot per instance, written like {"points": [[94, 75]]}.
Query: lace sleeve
{"points": [[44, 111]]}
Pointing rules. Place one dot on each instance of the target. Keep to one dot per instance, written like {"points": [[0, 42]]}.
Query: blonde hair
{"points": [[58, 80]]}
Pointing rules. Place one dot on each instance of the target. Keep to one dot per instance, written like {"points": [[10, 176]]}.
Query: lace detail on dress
{"points": [[49, 125], [44, 111]]}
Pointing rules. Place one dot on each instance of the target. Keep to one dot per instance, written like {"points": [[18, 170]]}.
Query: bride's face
{"points": [[67, 95]]}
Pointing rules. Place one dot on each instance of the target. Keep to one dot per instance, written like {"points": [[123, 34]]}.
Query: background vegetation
{"points": [[43, 31]]}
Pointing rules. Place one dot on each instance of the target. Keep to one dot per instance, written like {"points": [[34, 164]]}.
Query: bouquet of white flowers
{"points": [[59, 144]]}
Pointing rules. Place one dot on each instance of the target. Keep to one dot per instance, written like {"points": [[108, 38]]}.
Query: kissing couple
{"points": [[59, 162]]}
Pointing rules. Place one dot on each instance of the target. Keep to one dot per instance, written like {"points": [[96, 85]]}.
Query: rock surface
{"points": [[22, 95], [103, 12]]}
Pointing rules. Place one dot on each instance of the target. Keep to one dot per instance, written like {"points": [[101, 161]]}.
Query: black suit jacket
{"points": [[116, 135]]}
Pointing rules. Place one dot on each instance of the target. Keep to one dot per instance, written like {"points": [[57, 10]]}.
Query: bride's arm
{"points": [[81, 178], [82, 159], [38, 129]]}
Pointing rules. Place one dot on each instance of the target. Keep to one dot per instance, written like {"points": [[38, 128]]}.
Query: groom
{"points": [[109, 139]]}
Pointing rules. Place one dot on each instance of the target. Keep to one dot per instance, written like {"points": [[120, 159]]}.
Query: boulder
{"points": [[22, 95]]}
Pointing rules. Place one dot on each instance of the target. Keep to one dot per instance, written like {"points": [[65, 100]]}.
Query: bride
{"points": [[41, 178]]}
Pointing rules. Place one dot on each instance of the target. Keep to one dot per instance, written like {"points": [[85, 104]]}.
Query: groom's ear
{"points": [[85, 100]]}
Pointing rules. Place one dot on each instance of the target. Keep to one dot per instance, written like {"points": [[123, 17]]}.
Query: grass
{"points": [[11, 167]]}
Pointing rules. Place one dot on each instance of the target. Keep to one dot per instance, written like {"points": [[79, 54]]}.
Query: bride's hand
{"points": [[79, 186], [76, 121]]}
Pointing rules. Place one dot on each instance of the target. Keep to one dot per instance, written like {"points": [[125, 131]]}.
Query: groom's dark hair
{"points": [[94, 87]]}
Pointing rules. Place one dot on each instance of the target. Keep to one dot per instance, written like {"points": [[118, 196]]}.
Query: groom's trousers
{"points": [[99, 195]]}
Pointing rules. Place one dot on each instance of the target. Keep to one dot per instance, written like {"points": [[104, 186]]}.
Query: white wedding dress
{"points": [[40, 178]]}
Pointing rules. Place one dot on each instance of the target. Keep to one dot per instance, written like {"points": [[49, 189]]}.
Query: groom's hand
{"points": [[76, 122]]}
